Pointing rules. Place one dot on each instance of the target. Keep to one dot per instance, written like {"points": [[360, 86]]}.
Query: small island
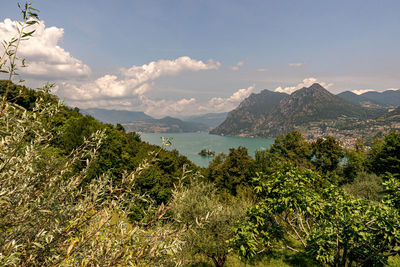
{"points": [[207, 153]]}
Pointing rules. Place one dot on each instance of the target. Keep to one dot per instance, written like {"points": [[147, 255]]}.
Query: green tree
{"points": [[392, 190], [385, 155], [356, 161], [232, 171], [293, 147], [367, 186], [209, 222], [300, 211], [326, 154]]}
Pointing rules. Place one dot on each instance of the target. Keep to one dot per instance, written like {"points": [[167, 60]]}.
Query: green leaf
{"points": [[38, 245]]}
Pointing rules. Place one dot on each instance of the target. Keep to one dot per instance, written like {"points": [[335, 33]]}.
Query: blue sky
{"points": [[253, 45]]}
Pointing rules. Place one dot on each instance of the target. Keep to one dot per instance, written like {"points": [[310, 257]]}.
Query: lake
{"points": [[190, 144]]}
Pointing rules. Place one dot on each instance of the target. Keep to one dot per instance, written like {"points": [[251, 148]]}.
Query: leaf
{"points": [[38, 245], [71, 246], [26, 34], [44, 211]]}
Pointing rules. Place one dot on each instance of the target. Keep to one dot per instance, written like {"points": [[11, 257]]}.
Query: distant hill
{"points": [[314, 111], [270, 114], [115, 116], [165, 125], [388, 97], [210, 119], [360, 99]]}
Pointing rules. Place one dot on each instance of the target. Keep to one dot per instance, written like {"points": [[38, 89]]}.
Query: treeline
{"points": [[340, 166]]}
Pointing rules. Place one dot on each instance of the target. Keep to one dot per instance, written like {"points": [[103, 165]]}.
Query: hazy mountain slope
{"points": [[165, 125], [247, 115], [270, 113], [115, 116], [210, 119], [359, 99], [388, 97]]}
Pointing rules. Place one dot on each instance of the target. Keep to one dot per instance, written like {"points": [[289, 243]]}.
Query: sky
{"points": [[179, 58]]}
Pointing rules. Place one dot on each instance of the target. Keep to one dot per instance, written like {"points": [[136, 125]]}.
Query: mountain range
{"points": [[115, 116], [373, 99], [140, 122], [210, 119], [313, 110], [165, 125]]}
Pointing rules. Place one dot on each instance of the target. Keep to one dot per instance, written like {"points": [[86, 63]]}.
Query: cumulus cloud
{"points": [[46, 59], [220, 104], [297, 64], [135, 81], [161, 108], [362, 91], [238, 65], [306, 83], [261, 69], [155, 69]]}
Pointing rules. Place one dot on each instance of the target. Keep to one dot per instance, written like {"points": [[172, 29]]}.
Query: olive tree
{"points": [[208, 221]]}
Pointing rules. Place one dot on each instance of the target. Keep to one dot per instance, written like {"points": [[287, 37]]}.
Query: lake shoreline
{"points": [[190, 144]]}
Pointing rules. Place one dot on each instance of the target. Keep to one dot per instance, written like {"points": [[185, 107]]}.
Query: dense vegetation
{"points": [[76, 192]]}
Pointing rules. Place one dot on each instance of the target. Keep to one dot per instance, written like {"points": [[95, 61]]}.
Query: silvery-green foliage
{"points": [[49, 215], [9, 60], [208, 222]]}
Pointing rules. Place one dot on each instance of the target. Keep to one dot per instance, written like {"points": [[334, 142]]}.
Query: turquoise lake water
{"points": [[190, 144]]}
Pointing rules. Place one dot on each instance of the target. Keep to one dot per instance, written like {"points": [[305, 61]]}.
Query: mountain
{"points": [[359, 99], [164, 125], [269, 113], [115, 116], [243, 119], [388, 97], [210, 119]]}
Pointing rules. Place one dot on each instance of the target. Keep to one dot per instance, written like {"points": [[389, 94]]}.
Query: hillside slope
{"points": [[270, 114], [165, 125], [115, 116], [244, 119]]}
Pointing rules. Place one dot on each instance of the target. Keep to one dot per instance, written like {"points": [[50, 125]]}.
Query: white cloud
{"points": [[238, 65], [164, 107], [261, 69], [306, 83], [297, 64], [393, 89], [134, 81], [45, 58], [155, 69], [362, 91], [219, 104]]}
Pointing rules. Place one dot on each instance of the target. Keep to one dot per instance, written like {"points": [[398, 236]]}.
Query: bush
{"points": [[366, 186], [209, 222]]}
